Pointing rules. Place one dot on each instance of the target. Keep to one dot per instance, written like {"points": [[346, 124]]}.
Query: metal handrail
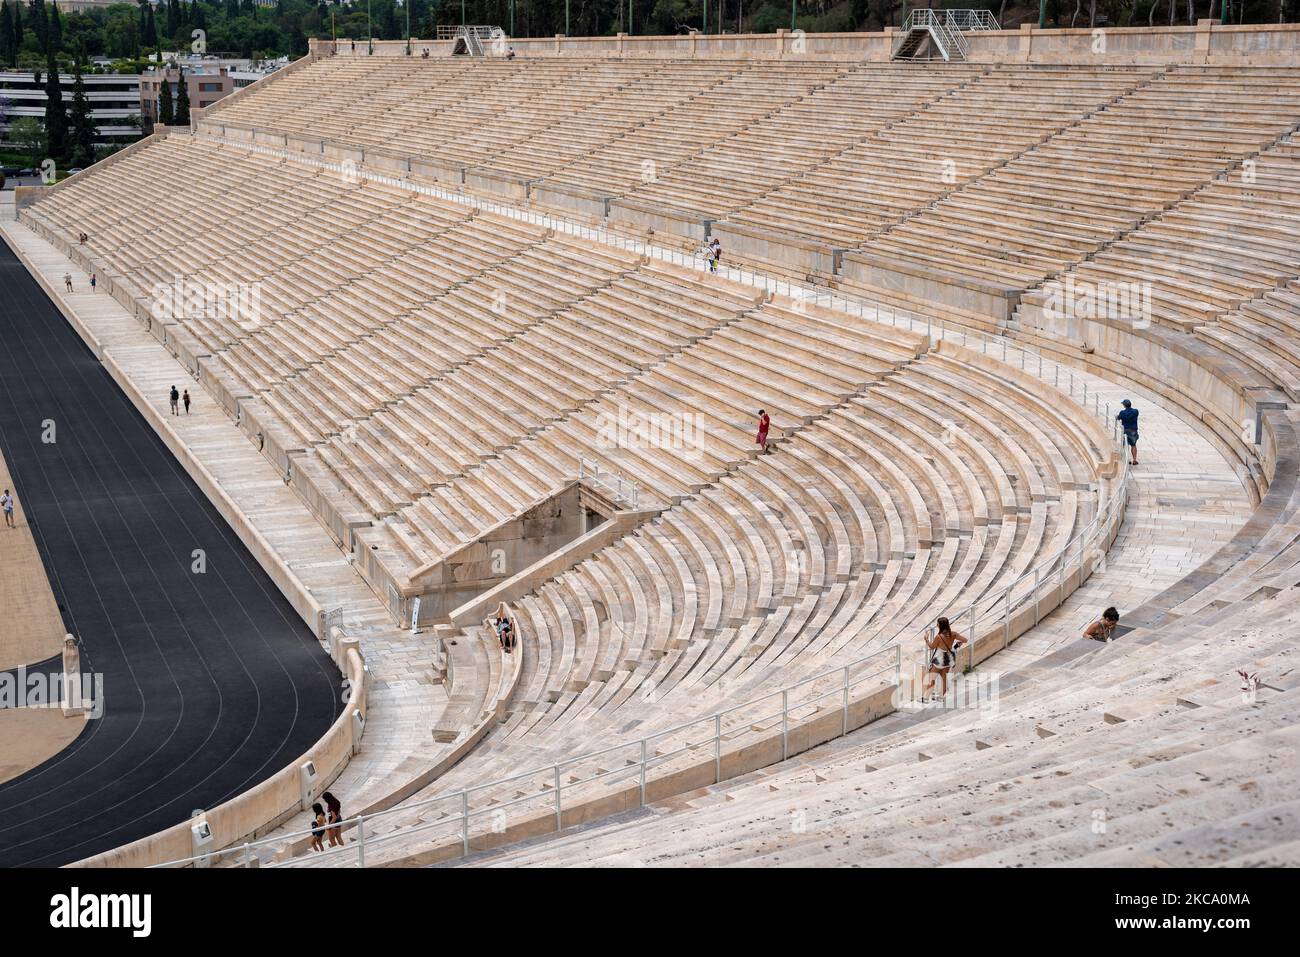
{"points": [[927, 19], [553, 770], [946, 28], [624, 488], [1111, 510], [971, 20]]}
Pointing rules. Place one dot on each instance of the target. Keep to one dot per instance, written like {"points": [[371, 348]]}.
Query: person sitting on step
{"points": [[504, 628], [1103, 629]]}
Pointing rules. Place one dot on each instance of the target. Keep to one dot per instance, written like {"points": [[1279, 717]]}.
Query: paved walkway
{"points": [[1185, 502], [404, 700]]}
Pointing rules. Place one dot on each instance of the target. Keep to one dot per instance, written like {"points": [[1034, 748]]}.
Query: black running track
{"points": [[212, 682]]}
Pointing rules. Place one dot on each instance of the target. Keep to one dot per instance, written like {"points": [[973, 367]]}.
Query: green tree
{"points": [[121, 36], [56, 117], [39, 20], [8, 43], [165, 114], [28, 135], [182, 101], [83, 127], [55, 33]]}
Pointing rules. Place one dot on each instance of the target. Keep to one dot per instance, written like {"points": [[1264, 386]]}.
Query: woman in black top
{"points": [[335, 818]]}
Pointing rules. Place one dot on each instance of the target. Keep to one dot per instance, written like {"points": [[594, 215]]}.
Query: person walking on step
{"points": [[175, 398], [7, 503], [67, 281], [186, 399], [764, 423], [1128, 420], [1103, 629], [92, 282], [334, 817], [318, 822], [942, 655], [715, 244]]}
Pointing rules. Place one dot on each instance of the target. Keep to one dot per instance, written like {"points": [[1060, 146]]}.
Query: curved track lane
{"points": [[212, 683]]}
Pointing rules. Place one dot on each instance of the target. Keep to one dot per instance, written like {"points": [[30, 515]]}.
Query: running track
{"points": [[212, 682]]}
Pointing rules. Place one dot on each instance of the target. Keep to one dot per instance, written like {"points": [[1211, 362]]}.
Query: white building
{"points": [[112, 96]]}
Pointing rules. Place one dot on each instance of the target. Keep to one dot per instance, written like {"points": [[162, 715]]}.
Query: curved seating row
{"points": [[1141, 752], [934, 485]]}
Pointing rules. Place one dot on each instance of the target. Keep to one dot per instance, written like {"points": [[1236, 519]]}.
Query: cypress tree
{"points": [[56, 117], [8, 48], [182, 101], [18, 26], [149, 35], [56, 28], [83, 128], [40, 24], [165, 117]]}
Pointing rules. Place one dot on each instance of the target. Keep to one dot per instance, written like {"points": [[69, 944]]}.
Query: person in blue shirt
{"points": [[1128, 420]]}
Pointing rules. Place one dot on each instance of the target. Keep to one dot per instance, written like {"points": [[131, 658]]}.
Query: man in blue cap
{"points": [[1128, 420]]}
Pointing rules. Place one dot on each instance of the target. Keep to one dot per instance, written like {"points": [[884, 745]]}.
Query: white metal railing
{"points": [[970, 20], [949, 43], [1045, 577], [458, 823], [946, 29], [625, 489], [475, 37]]}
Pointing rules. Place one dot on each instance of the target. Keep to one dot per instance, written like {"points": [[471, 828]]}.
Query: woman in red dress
{"points": [[764, 420]]}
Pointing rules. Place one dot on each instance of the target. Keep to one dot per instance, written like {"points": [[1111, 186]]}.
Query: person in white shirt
{"points": [[7, 503]]}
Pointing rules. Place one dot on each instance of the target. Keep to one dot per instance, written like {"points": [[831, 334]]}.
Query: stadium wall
{"points": [[266, 806], [1207, 42]]}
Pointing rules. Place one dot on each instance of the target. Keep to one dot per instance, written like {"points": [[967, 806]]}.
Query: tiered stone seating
{"points": [[1263, 333], [1220, 248], [848, 537], [435, 370], [644, 92], [1144, 751], [791, 140], [320, 99], [1066, 198], [724, 378], [544, 372], [716, 113], [900, 165]]}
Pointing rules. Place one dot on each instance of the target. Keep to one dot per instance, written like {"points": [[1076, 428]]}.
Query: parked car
{"points": [[73, 172]]}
